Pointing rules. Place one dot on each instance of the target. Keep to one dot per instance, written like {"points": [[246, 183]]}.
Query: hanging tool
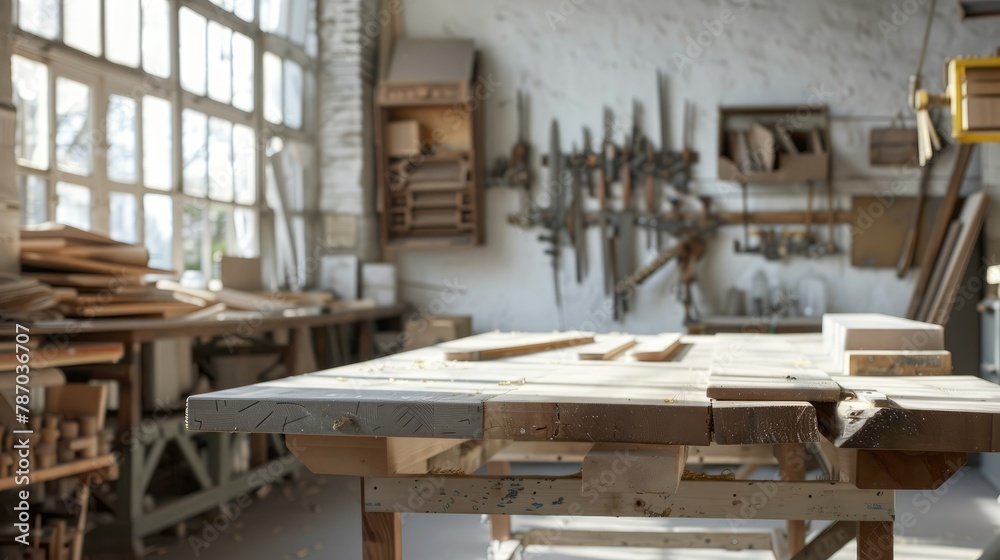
{"points": [[575, 220], [516, 171], [555, 217], [590, 161], [606, 174], [652, 197]]}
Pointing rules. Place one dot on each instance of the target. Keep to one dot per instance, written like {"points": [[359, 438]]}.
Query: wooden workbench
{"points": [[415, 426], [142, 441]]}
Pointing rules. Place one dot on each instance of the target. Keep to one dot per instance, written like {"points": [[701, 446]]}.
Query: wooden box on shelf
{"points": [[428, 146], [774, 144]]}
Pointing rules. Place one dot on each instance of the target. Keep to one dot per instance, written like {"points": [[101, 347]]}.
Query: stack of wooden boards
{"points": [[27, 299], [949, 248], [79, 274], [98, 276]]}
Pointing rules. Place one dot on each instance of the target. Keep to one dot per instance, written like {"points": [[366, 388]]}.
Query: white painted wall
{"points": [[607, 52]]}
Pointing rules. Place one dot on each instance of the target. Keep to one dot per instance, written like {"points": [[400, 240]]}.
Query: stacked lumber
{"points": [[27, 299], [96, 276], [951, 242], [847, 332]]}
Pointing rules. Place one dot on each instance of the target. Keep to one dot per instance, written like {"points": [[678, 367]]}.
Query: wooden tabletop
{"points": [[762, 387], [146, 330]]}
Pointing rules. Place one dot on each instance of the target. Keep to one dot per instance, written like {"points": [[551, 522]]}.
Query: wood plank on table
{"points": [[495, 345], [606, 347], [735, 499], [655, 349]]}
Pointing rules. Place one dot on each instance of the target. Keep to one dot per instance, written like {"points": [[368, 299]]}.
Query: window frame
{"points": [[106, 78]]}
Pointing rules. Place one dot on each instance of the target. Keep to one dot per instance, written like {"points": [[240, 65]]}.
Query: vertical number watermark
{"points": [[22, 437]]}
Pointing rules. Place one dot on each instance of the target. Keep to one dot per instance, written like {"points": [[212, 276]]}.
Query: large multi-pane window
{"points": [[156, 121]]}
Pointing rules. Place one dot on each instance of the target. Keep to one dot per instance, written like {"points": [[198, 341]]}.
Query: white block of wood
{"points": [[873, 331], [639, 469]]}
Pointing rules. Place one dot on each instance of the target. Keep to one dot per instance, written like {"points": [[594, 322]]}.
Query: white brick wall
{"points": [[348, 47]]}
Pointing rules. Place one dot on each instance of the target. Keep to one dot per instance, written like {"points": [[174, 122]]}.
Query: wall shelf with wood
{"points": [[428, 145]]}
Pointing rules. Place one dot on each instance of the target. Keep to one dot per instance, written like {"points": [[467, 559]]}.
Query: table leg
{"points": [[366, 340], [381, 533], [499, 524], [128, 502], [792, 461], [875, 540]]}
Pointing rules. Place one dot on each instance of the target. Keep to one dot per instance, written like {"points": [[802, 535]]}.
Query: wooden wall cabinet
{"points": [[430, 196]]}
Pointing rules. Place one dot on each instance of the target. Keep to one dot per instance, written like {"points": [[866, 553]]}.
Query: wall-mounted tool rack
{"points": [[775, 145], [428, 147]]}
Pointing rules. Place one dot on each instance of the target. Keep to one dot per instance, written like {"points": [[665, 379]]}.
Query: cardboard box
{"points": [[402, 138], [431, 329]]}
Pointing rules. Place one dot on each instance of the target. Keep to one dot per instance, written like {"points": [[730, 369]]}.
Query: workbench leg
{"points": [[792, 461], [875, 540], [499, 524], [381, 533], [366, 340], [128, 501]]}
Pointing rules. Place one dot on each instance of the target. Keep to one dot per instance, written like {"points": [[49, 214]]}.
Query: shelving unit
{"points": [[428, 147]]}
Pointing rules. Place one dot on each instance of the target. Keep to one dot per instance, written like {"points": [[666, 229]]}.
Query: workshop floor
{"points": [[318, 517]]}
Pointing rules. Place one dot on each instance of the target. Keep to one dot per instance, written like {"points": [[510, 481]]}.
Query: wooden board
{"points": [[729, 540], [606, 347], [78, 353], [940, 228], [766, 369], [972, 215], [490, 346], [764, 422], [637, 469], [880, 225], [898, 362], [367, 456], [843, 332], [53, 261], [97, 281], [958, 413], [655, 349], [52, 230], [940, 267], [571, 496]]}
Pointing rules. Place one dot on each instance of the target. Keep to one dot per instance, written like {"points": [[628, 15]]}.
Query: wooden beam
{"points": [[499, 524], [367, 456], [381, 533], [496, 345], [616, 467], [829, 541], [904, 470], [579, 419], [792, 463], [898, 362], [606, 347], [875, 540], [763, 422], [940, 228], [735, 499], [723, 540]]}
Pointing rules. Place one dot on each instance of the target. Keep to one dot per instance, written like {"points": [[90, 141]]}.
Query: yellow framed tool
{"points": [[958, 94]]}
